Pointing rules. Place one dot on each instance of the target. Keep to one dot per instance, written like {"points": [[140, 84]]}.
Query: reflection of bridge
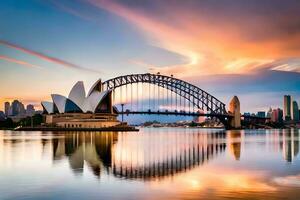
{"points": [[159, 153], [159, 159], [139, 156], [164, 95]]}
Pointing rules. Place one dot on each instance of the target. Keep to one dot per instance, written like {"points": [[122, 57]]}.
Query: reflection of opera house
{"points": [[78, 110]]}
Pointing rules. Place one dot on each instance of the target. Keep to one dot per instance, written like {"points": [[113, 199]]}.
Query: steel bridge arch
{"points": [[198, 97]]}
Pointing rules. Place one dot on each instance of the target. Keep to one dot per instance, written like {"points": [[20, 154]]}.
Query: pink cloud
{"points": [[46, 57], [19, 62]]}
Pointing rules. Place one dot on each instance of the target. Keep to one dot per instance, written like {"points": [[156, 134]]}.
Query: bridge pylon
{"points": [[235, 111]]}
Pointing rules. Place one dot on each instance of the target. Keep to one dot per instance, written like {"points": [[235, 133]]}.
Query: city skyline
{"points": [[224, 52]]}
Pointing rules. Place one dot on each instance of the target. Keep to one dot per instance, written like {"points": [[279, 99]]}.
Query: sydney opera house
{"points": [[81, 110]]}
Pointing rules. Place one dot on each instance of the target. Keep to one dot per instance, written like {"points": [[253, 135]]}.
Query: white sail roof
{"points": [[77, 94], [48, 106], [77, 99], [59, 101], [94, 87], [93, 100]]}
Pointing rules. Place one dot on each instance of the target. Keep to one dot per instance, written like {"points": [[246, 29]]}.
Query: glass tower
{"points": [[287, 101]]}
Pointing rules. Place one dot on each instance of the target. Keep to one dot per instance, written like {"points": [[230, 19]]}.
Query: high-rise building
{"points": [[30, 110], [280, 115], [15, 105], [18, 108], [22, 109], [6, 108], [287, 111], [261, 114], [295, 111], [277, 115]]}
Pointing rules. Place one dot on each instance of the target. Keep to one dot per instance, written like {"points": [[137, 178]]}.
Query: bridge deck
{"points": [[192, 114]]}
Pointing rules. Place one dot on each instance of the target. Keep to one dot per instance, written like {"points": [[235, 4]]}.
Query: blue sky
{"points": [[245, 48]]}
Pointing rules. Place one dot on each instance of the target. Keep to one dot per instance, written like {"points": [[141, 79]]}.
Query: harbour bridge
{"points": [[156, 94]]}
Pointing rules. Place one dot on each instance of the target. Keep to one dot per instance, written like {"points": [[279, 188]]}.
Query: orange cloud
{"points": [[20, 62], [46, 58], [209, 46]]}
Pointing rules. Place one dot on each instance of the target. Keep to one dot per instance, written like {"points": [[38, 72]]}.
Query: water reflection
{"points": [[139, 156], [290, 144], [93, 148], [165, 163], [156, 153], [234, 138]]}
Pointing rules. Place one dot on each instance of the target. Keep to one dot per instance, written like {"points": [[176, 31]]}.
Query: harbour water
{"points": [[154, 163]]}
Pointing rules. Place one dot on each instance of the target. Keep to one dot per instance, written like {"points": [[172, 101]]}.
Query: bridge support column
{"points": [[235, 111]]}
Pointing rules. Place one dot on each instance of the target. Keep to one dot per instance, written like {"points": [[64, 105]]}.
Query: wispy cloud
{"points": [[142, 64], [46, 57], [223, 42], [73, 11], [292, 64], [20, 62]]}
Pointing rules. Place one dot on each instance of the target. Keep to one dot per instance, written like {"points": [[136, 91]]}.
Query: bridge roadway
{"points": [[192, 114]]}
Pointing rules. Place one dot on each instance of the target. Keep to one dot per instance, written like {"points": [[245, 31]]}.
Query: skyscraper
{"points": [[261, 114], [269, 113], [287, 101], [295, 111], [30, 110], [6, 108], [22, 110], [17, 108], [276, 115]]}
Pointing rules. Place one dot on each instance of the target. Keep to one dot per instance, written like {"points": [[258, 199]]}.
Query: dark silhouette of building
{"points": [[7, 108], [287, 107]]}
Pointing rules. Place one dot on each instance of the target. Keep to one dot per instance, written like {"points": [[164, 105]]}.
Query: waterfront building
{"points": [[247, 114], [2, 116], [295, 111], [30, 111], [287, 107], [277, 115], [261, 114], [78, 110], [269, 113], [6, 108], [17, 108], [280, 115]]}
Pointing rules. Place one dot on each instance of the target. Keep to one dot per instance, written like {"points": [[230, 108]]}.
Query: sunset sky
{"points": [[248, 48]]}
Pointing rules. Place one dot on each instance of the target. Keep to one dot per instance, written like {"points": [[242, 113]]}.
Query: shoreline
{"points": [[127, 129]]}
